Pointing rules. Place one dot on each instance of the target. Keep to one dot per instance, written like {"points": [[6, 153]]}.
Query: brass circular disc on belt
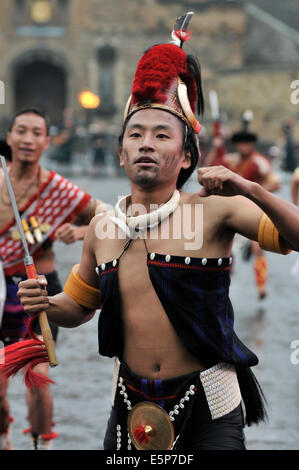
{"points": [[156, 420]]}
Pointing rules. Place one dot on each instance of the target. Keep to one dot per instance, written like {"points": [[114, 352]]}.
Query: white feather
{"points": [[175, 40], [187, 19]]}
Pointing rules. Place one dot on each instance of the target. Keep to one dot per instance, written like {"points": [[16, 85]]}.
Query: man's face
{"points": [[28, 138], [245, 148], [152, 151]]}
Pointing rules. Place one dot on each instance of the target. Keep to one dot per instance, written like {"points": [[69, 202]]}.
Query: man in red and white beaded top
{"points": [[49, 205]]}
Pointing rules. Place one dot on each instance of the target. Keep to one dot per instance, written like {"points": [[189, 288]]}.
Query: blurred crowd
{"points": [[96, 144]]}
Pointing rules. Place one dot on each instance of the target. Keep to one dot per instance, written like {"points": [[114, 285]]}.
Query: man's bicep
{"points": [[244, 217]]}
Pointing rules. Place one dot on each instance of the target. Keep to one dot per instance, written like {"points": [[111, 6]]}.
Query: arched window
{"points": [[42, 84]]}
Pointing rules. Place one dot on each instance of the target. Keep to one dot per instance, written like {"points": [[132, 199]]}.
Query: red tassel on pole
{"points": [[27, 353]]}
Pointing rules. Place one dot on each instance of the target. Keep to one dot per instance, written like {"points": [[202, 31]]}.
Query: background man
{"points": [[252, 165], [49, 205]]}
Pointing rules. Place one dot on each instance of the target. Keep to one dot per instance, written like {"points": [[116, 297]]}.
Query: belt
{"points": [[215, 390]]}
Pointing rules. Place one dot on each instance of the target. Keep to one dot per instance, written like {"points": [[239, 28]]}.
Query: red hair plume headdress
{"points": [[166, 78]]}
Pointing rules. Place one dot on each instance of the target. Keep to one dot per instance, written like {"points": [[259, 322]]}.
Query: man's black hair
{"points": [[243, 136], [190, 144], [36, 111], [5, 150]]}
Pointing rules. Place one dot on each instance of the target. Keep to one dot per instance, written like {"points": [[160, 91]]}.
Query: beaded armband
{"points": [[269, 238], [81, 292]]}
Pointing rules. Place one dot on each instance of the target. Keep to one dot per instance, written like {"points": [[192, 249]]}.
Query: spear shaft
{"points": [[31, 271]]}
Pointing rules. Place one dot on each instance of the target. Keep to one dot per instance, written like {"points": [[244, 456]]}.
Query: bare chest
{"points": [[23, 191]]}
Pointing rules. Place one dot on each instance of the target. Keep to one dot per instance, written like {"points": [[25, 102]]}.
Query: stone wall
{"points": [[267, 92], [225, 38]]}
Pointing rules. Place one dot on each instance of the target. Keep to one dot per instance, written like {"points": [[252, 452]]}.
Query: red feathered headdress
{"points": [[166, 78]]}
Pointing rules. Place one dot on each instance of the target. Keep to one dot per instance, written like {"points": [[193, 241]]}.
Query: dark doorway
{"points": [[43, 85]]}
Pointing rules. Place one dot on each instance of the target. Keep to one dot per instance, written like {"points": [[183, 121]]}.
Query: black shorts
{"points": [[225, 433], [15, 320]]}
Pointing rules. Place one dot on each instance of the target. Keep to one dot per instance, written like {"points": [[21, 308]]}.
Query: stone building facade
{"points": [[51, 50]]}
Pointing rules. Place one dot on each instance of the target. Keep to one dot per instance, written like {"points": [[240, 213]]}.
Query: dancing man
{"points": [[158, 266]]}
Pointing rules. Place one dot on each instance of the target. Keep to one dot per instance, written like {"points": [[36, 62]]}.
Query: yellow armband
{"points": [[296, 175], [80, 291], [269, 238]]}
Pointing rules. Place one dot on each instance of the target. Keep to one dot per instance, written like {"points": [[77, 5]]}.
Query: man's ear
{"points": [[186, 159], [121, 159]]}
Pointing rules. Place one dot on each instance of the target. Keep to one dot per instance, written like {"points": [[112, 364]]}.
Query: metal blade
{"points": [[15, 208]]}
